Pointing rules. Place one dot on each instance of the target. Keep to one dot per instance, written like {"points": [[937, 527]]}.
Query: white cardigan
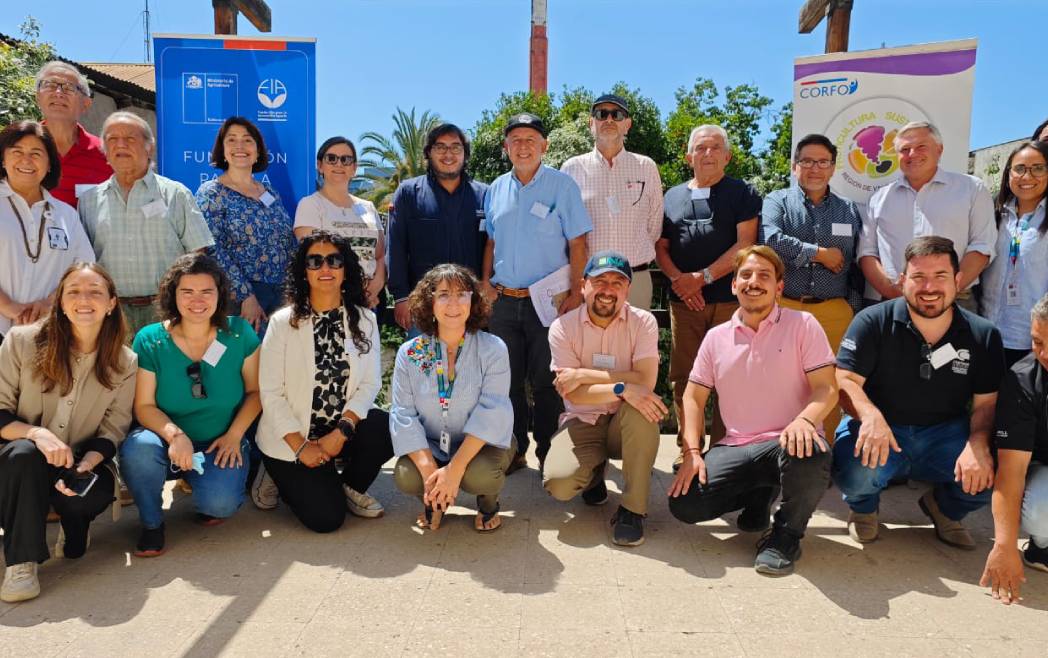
{"points": [[286, 378]]}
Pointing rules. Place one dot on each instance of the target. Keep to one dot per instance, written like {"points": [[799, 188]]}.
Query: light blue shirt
{"points": [[479, 404], [531, 224], [1030, 273]]}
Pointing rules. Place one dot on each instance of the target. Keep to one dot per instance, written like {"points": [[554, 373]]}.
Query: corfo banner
{"points": [[203, 80], [861, 99]]}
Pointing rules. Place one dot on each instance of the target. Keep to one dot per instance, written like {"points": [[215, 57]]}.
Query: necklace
{"points": [[25, 236]]}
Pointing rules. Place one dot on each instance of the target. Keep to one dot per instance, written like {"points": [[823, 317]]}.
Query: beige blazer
{"points": [[286, 378]]}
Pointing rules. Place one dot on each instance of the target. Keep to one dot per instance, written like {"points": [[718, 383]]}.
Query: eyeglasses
{"points": [[345, 160], [316, 261], [441, 149], [1037, 170], [196, 381], [807, 163], [58, 85], [462, 297], [616, 115], [926, 367]]}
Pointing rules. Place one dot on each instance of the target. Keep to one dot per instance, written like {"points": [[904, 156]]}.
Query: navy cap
{"points": [[525, 120], [613, 99], [608, 261]]}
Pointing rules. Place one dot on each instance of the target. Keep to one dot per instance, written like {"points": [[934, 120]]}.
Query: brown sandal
{"points": [[485, 522], [429, 519]]}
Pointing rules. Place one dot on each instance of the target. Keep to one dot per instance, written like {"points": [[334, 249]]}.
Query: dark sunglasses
{"points": [[346, 160], [926, 367], [196, 381], [616, 115], [316, 261]]}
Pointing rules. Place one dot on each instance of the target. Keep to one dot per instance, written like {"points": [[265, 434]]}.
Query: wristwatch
{"points": [[707, 276], [347, 427], [619, 388]]}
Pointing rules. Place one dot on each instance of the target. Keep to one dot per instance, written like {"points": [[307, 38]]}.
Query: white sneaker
{"points": [[60, 544], [361, 504], [20, 583], [264, 491]]}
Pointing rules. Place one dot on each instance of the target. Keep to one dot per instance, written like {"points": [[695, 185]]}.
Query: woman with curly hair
{"points": [[66, 385], [196, 398], [321, 372], [451, 417]]}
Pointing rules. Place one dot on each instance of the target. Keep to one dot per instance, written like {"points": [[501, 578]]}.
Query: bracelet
{"points": [[301, 448], [687, 450], [807, 421]]}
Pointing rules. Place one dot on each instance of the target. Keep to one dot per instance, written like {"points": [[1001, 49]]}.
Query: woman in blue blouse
{"points": [[251, 227], [451, 419], [1018, 275]]}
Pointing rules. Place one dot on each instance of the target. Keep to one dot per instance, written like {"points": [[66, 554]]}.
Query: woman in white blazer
{"points": [[320, 372]]}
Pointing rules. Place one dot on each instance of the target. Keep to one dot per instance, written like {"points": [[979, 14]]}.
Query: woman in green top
{"points": [[196, 398]]}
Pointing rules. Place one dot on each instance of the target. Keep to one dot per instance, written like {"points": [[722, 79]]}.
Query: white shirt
{"points": [[950, 205], [361, 224], [64, 243]]}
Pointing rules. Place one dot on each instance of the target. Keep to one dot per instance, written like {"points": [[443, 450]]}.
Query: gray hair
{"points": [[1039, 312], [123, 116], [710, 127], [56, 66], [921, 125]]}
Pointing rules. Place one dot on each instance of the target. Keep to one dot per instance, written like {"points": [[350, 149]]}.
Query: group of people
{"points": [[783, 311]]}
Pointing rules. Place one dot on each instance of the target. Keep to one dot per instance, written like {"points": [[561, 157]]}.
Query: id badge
{"points": [[1012, 294], [445, 443]]}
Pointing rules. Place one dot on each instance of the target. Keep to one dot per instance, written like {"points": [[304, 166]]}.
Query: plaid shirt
{"points": [[137, 240], [624, 200]]}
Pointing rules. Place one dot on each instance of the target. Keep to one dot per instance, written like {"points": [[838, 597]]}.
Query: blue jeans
{"points": [[145, 466], [270, 297], [1035, 504], [929, 453]]}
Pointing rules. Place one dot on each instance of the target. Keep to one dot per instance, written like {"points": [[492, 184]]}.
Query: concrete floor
{"points": [[548, 583]]}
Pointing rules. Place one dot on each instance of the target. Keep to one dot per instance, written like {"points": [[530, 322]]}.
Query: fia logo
{"points": [[272, 93]]}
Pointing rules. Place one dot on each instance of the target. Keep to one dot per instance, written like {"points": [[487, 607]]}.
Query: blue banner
{"points": [[203, 80]]}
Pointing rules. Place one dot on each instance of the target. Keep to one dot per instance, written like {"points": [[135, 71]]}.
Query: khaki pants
{"points": [[641, 290], [834, 315], [484, 477], [689, 328], [579, 451]]}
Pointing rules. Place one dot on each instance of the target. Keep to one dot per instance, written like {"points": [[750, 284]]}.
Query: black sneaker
{"points": [[777, 550], [597, 494], [150, 542], [1035, 557], [629, 528], [756, 516]]}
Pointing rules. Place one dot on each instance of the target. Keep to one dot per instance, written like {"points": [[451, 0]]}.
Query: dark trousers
{"points": [[514, 321], [750, 475], [27, 489], [315, 495]]}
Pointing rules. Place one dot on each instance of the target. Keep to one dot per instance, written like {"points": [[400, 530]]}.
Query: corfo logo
{"points": [[272, 93], [830, 87], [194, 82]]}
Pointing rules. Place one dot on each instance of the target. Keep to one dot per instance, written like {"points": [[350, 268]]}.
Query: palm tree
{"points": [[388, 161]]}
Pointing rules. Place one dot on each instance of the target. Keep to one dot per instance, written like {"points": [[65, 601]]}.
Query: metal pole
{"points": [[145, 24]]}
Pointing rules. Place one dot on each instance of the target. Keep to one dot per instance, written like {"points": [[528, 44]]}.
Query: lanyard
{"points": [[445, 384], [25, 236], [1017, 237]]}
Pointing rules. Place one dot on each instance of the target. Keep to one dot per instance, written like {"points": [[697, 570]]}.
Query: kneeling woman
{"points": [[66, 386], [321, 372], [451, 417], [196, 398]]}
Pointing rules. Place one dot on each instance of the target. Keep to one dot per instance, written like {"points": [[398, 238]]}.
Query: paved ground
{"points": [[548, 583]]}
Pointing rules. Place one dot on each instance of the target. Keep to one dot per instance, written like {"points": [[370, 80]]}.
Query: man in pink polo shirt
{"points": [[606, 353], [774, 374]]}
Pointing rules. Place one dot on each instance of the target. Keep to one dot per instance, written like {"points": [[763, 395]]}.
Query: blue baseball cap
{"points": [[608, 261]]}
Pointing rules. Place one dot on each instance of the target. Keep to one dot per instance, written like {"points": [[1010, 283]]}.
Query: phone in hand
{"points": [[79, 482]]}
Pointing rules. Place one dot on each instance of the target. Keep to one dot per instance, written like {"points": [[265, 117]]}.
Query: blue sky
{"points": [[456, 56]]}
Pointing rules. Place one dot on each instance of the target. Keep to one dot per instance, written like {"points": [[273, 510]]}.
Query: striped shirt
{"points": [[624, 200], [137, 240]]}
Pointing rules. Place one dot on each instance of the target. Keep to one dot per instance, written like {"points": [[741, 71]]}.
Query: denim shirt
{"points": [[479, 404], [1030, 272]]}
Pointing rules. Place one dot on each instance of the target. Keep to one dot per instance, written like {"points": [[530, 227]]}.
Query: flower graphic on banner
{"points": [[872, 152]]}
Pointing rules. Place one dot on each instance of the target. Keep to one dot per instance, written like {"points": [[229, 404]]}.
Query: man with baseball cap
{"points": [[606, 356], [536, 224], [622, 192]]}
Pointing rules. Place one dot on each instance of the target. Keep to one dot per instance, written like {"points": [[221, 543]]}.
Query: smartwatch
{"points": [[347, 427], [619, 388], [708, 276]]}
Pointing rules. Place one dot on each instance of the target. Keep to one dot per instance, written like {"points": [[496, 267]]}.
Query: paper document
{"points": [[548, 292]]}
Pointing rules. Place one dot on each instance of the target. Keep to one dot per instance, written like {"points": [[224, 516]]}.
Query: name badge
{"points": [[445, 443], [1012, 294], [214, 353], [943, 355], [267, 199], [80, 188], [604, 361], [842, 230], [539, 210], [57, 238], [700, 193], [613, 205], [483, 220], [155, 208]]}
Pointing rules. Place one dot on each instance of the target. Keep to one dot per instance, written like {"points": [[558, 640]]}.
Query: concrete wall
{"points": [[986, 163], [102, 106]]}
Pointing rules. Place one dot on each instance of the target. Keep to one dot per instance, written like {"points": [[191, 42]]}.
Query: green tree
{"points": [[391, 160], [486, 160], [776, 158], [19, 62]]}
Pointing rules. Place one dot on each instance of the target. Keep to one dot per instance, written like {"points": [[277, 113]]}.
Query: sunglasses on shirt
{"points": [[196, 381], [316, 261], [926, 367]]}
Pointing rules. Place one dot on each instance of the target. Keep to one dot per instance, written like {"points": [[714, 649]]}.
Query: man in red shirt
{"points": [[63, 96]]}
